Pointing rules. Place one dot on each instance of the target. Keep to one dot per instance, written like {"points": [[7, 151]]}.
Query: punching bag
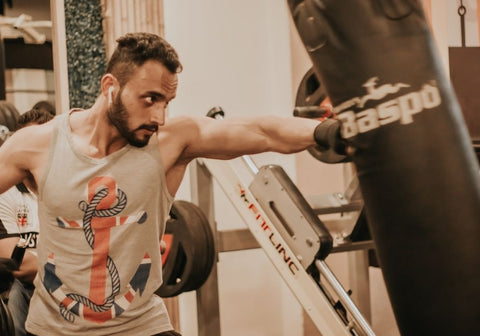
{"points": [[413, 155]]}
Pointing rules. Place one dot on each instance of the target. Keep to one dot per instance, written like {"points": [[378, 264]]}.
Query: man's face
{"points": [[119, 117], [138, 109]]}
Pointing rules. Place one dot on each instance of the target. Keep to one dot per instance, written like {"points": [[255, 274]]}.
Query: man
{"points": [[106, 178], [19, 219]]}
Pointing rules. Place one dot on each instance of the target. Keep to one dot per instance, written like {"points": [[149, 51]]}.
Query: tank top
{"points": [[101, 221]]}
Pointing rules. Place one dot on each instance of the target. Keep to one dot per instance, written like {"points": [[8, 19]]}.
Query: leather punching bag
{"points": [[417, 170]]}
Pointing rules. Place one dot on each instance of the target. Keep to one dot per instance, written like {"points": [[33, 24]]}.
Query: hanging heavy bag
{"points": [[416, 166]]}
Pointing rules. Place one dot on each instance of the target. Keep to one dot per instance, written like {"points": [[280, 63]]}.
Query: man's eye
{"points": [[150, 99]]}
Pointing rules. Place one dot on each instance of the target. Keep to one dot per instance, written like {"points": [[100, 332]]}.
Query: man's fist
{"points": [[327, 136]]}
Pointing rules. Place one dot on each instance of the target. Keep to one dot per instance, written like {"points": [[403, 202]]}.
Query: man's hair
{"points": [[33, 116], [134, 49]]}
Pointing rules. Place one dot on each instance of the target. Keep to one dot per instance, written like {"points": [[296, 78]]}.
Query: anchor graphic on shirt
{"points": [[105, 202]]}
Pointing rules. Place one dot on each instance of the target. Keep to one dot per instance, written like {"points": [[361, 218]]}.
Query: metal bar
{"points": [[362, 245], [303, 286], [250, 164], [29, 91], [236, 240], [343, 297], [359, 280], [208, 310], [333, 203], [462, 10], [242, 239]]}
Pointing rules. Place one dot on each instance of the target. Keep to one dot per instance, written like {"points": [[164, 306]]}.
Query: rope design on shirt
{"points": [[101, 213], [90, 212]]}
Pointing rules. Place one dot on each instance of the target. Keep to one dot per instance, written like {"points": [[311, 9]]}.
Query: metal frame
{"points": [[318, 296]]}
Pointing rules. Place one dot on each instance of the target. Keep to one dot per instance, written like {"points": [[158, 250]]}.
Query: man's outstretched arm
{"points": [[233, 137]]}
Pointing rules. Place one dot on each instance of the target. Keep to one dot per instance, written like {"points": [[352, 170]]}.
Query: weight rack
{"points": [[299, 242]]}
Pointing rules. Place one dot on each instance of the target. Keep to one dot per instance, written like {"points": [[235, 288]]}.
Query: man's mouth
{"points": [[151, 128]]}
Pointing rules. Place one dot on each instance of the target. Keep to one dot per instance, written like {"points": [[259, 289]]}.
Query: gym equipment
{"points": [[190, 250], [25, 27], [417, 170], [308, 104], [19, 43], [295, 240], [465, 76]]}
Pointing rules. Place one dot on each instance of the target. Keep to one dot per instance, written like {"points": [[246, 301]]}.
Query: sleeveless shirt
{"points": [[101, 221]]}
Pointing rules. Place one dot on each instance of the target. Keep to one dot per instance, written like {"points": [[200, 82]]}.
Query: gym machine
{"points": [[289, 231]]}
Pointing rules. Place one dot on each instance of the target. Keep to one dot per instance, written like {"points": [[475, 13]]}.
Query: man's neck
{"points": [[93, 134]]}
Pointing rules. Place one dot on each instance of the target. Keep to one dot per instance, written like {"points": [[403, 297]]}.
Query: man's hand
{"points": [[327, 135], [7, 266], [331, 147]]}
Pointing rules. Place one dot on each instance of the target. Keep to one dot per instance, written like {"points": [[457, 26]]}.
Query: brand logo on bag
{"points": [[400, 109]]}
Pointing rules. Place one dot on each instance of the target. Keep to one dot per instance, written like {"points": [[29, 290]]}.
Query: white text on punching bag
{"points": [[399, 109]]}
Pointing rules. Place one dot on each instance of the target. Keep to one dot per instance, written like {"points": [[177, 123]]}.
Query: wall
{"points": [[236, 54]]}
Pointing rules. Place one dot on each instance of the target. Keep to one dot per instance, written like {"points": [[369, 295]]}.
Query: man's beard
{"points": [[118, 116]]}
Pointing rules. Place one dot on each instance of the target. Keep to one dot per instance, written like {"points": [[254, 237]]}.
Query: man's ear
{"points": [[108, 84]]}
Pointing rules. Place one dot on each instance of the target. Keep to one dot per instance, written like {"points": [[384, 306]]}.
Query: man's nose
{"points": [[158, 115]]}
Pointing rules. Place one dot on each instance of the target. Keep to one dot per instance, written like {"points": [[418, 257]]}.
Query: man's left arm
{"points": [[233, 137], [183, 139]]}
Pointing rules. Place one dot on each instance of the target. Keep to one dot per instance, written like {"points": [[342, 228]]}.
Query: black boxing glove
{"points": [[7, 266], [327, 136]]}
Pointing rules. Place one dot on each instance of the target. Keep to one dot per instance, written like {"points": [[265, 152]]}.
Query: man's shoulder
{"points": [[35, 135], [28, 146], [175, 132]]}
